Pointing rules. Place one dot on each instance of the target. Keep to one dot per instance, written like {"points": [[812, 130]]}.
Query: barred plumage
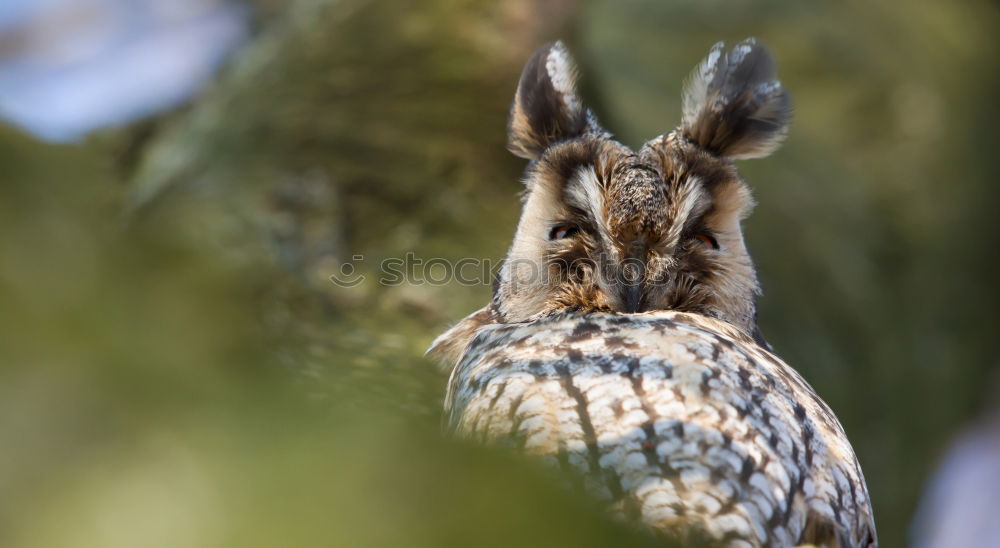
{"points": [[679, 420]]}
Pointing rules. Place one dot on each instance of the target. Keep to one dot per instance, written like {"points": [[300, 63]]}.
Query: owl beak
{"points": [[632, 298], [634, 279]]}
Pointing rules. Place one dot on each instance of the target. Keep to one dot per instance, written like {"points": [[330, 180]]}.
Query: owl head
{"points": [[605, 228]]}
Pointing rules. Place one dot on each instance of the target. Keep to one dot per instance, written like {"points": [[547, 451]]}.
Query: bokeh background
{"points": [[179, 179]]}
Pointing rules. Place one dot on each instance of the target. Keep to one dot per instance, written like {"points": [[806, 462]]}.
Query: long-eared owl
{"points": [[621, 341]]}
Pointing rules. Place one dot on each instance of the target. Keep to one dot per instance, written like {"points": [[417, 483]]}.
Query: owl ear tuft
{"points": [[546, 108], [734, 105]]}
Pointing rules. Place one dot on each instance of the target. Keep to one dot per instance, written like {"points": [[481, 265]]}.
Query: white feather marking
{"points": [[585, 193], [562, 74], [740, 51], [691, 203], [696, 88]]}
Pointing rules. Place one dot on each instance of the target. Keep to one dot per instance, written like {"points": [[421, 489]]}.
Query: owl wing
{"points": [[680, 421]]}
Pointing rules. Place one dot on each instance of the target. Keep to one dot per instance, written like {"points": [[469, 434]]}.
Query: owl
{"points": [[621, 342]]}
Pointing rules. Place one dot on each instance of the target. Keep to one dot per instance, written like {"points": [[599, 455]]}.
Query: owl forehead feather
{"points": [[614, 186]]}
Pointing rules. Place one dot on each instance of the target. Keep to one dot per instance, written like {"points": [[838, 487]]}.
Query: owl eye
{"points": [[562, 231], [707, 240]]}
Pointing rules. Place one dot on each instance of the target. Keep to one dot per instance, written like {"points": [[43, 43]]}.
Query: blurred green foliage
{"points": [[178, 370]]}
